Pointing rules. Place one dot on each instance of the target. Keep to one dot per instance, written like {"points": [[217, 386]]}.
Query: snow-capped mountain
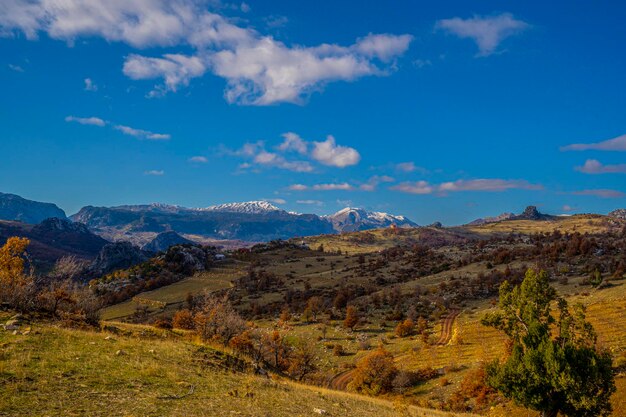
{"points": [[352, 219], [250, 207]]}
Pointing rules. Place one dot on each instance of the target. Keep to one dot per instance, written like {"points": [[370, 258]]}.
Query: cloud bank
{"points": [[258, 69]]}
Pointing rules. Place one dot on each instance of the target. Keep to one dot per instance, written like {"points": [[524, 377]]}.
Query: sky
{"points": [[440, 111]]}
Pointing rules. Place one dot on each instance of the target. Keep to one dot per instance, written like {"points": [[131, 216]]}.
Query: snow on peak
{"points": [[251, 207]]}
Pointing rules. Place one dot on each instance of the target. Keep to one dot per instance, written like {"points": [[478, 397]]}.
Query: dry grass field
{"points": [[54, 371], [171, 296]]}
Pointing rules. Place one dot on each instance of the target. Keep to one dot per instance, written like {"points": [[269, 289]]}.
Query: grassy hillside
{"points": [[54, 371]]}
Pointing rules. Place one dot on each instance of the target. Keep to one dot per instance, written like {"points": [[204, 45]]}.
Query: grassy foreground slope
{"points": [[54, 371]]}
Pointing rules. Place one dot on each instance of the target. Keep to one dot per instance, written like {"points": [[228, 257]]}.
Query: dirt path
{"points": [[341, 380], [446, 328]]}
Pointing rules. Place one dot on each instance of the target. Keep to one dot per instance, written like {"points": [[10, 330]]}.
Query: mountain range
{"points": [[252, 221]]}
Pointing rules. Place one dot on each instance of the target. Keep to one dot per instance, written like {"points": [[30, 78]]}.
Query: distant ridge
{"points": [[530, 213], [16, 208]]}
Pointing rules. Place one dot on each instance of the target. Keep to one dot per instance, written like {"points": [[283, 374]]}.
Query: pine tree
{"points": [[554, 365]]}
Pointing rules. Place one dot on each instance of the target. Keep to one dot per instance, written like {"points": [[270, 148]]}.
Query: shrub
{"points": [[375, 373], [183, 319], [162, 323], [405, 328], [338, 350]]}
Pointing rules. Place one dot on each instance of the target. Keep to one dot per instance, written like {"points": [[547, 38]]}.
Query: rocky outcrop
{"points": [[618, 214], [187, 259], [15, 208], [494, 219], [531, 213], [118, 255], [164, 241]]}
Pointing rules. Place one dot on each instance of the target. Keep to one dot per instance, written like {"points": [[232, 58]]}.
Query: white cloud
{"points": [[199, 159], [15, 68], [89, 85], [341, 186], [593, 166], [487, 185], [140, 133], [258, 69], [329, 153], [127, 130], [276, 200], [326, 153], [384, 46], [311, 202], [333, 187], [492, 185], [417, 187], [297, 187], [615, 144], [155, 173], [487, 31], [374, 182], [293, 142], [175, 69], [94, 121], [568, 208], [602, 193], [409, 167]]}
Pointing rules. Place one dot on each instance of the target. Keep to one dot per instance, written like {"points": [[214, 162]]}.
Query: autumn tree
{"points": [[277, 349], [217, 319], [554, 365], [405, 328], [352, 318], [314, 305], [374, 374], [302, 360], [17, 289]]}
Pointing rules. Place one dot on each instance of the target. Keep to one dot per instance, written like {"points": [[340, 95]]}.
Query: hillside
{"points": [[446, 277], [54, 238], [138, 370]]}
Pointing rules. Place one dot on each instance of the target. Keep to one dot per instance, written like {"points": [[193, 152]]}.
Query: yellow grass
{"points": [[53, 372]]}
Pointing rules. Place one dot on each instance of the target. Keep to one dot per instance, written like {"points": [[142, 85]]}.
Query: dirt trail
{"points": [[341, 380], [446, 328]]}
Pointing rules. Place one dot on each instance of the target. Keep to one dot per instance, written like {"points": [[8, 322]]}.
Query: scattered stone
{"points": [[120, 353], [152, 351], [10, 327], [108, 338], [15, 332], [319, 411]]}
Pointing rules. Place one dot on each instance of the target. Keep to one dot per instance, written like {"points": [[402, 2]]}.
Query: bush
{"points": [[163, 323], [375, 373], [183, 319], [218, 320], [338, 350], [405, 328]]}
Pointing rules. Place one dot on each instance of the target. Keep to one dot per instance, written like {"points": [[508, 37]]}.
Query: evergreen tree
{"points": [[554, 365]]}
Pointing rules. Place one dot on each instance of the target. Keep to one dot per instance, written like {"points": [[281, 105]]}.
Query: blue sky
{"points": [[443, 111]]}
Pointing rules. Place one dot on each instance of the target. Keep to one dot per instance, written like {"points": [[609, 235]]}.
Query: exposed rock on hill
{"points": [[618, 214], [118, 255], [16, 208], [494, 219], [531, 213], [164, 241]]}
